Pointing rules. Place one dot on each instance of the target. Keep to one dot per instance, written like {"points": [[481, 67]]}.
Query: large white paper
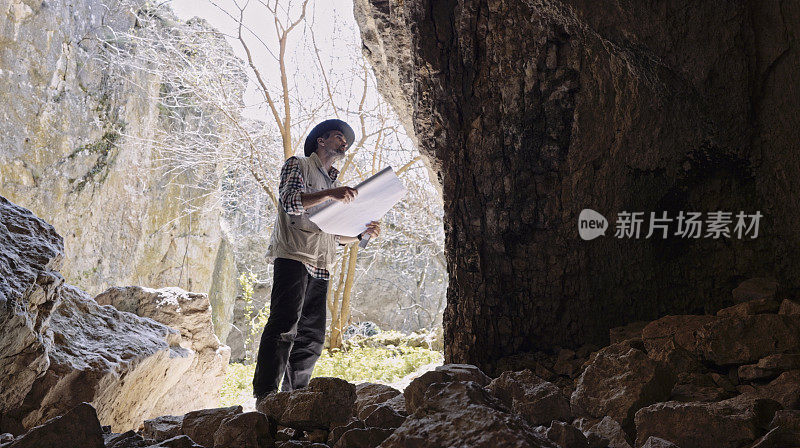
{"points": [[376, 196]]}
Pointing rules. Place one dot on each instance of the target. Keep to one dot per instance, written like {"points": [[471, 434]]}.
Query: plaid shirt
{"points": [[289, 190]]}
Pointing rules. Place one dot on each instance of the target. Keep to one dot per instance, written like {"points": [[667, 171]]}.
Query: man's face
{"points": [[335, 145]]}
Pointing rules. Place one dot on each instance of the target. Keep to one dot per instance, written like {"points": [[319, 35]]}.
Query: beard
{"points": [[337, 154]]}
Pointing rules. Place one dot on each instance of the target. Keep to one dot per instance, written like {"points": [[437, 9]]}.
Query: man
{"points": [[295, 331]]}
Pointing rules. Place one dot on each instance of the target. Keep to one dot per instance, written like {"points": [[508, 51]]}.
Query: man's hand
{"points": [[343, 194], [373, 229]]}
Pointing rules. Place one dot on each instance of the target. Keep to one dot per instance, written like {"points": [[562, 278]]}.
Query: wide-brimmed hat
{"points": [[328, 125]]}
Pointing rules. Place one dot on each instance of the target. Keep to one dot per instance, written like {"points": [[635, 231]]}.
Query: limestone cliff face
{"points": [[62, 154], [533, 110]]}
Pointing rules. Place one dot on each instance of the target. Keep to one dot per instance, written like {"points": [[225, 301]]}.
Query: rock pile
{"points": [[680, 381]]}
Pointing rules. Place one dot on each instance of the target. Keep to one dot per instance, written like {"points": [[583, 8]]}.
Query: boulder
{"points": [[122, 363], [657, 442], [367, 437], [618, 381], [602, 433], [201, 425], [248, 430], [740, 340], [535, 399], [371, 394], [162, 428], [181, 441], [729, 423], [627, 332], [384, 416], [336, 433], [325, 403], [785, 389], [462, 413], [190, 314], [789, 308], [30, 254], [787, 418], [77, 428], [751, 307], [770, 366], [127, 439], [754, 289], [415, 391], [778, 438], [565, 435], [701, 387], [673, 340]]}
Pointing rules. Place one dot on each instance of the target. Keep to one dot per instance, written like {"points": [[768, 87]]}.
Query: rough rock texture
{"points": [[189, 313], [618, 381], [201, 425], [414, 393], [30, 287], [163, 427], [538, 401], [77, 428], [370, 394], [730, 423], [530, 111], [122, 363], [462, 413], [71, 150], [63, 348], [248, 430], [324, 404]]}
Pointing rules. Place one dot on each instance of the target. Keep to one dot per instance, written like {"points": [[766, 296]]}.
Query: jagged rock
{"points": [[778, 438], [754, 289], [672, 340], [769, 366], [657, 442], [317, 435], [785, 389], [336, 433], [248, 430], [274, 404], [601, 433], [201, 425], [121, 362], [523, 361], [367, 437], [383, 416], [535, 399], [751, 307], [325, 403], [371, 394], [127, 439], [415, 391], [627, 332], [789, 308], [189, 313], [618, 381], [462, 413], [729, 423], [163, 427], [700, 387], [30, 254], [78, 428], [565, 435], [787, 418], [181, 441], [398, 403], [747, 339]]}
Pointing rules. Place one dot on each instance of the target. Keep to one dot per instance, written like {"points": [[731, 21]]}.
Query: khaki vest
{"points": [[295, 236]]}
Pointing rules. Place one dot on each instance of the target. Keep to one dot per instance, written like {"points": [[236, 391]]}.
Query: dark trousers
{"points": [[295, 331]]}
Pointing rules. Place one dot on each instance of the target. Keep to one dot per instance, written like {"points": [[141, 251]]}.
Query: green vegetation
{"points": [[359, 364]]}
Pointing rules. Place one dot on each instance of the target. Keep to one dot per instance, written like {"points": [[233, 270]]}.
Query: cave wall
{"points": [[69, 151], [530, 111]]}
